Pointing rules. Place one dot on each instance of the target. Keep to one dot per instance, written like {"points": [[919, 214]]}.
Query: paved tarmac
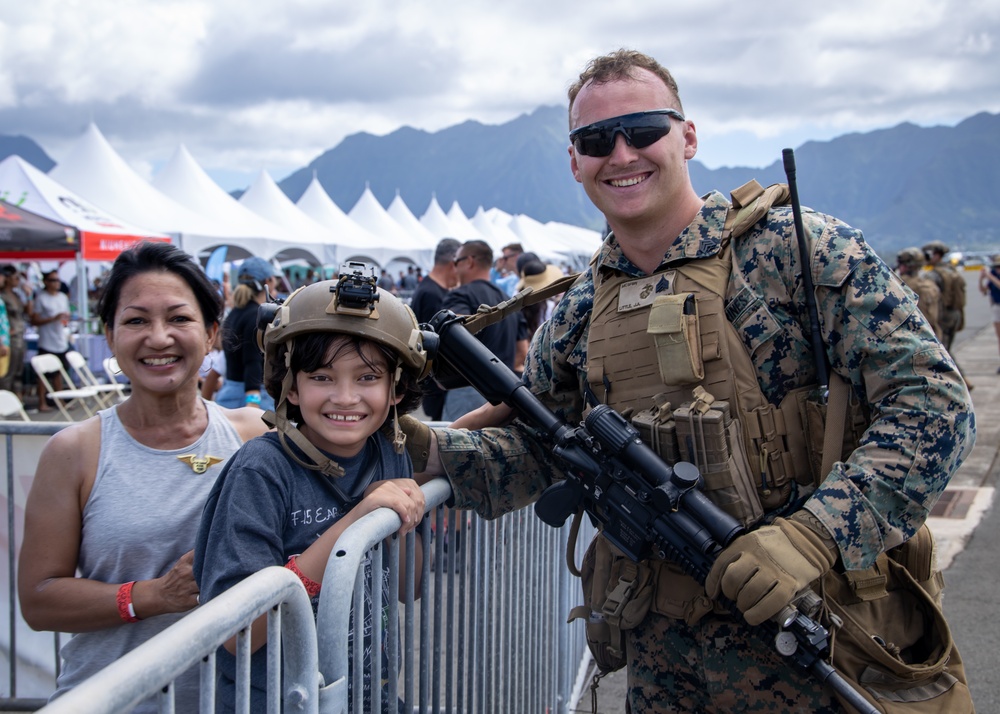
{"points": [[966, 527]]}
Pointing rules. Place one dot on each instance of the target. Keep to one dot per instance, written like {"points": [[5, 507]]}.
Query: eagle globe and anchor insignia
{"points": [[200, 464]]}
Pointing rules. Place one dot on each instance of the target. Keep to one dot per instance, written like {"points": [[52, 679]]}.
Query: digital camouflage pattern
{"points": [[716, 667], [922, 424], [928, 298]]}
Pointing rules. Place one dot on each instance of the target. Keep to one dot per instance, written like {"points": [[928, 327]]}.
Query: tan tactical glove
{"points": [[762, 571], [418, 441]]}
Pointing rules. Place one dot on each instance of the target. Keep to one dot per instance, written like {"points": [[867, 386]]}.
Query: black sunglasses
{"points": [[640, 130]]}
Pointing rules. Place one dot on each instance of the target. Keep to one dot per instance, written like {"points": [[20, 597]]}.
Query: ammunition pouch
{"points": [[617, 593]]}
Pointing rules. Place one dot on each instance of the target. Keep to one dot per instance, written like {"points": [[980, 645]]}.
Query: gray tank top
{"points": [[142, 515]]}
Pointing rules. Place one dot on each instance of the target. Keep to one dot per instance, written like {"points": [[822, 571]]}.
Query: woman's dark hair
{"points": [[150, 257], [315, 350]]}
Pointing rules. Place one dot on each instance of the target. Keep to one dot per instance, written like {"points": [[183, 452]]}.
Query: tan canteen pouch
{"points": [[673, 325], [894, 643]]}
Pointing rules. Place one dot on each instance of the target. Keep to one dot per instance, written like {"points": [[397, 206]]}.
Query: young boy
{"points": [[342, 362]]}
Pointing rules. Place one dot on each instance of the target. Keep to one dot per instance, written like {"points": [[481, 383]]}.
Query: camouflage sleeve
{"points": [[922, 425], [497, 470]]}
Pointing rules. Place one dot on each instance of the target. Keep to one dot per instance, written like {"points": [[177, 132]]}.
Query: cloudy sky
{"points": [[270, 85]]}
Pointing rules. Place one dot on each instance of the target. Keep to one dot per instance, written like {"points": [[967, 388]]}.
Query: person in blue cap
{"points": [[244, 361]]}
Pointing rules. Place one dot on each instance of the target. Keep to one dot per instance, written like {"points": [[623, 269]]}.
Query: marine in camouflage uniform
{"points": [[875, 338], [910, 264], [952, 286]]}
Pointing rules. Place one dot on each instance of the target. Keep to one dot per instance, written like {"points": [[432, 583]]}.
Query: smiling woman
{"points": [[136, 475]]}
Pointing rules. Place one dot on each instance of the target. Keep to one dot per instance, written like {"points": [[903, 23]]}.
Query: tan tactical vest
{"points": [[953, 288], [649, 348], [670, 360], [928, 299]]}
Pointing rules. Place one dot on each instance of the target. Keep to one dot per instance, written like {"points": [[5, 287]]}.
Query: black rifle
{"points": [[643, 505]]}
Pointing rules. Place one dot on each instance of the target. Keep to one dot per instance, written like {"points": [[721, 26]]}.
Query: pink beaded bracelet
{"points": [[312, 587]]}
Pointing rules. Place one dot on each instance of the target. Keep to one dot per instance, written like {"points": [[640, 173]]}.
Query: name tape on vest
{"points": [[639, 293]]}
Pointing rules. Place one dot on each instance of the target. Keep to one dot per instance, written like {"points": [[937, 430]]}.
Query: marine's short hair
{"points": [[620, 65]]}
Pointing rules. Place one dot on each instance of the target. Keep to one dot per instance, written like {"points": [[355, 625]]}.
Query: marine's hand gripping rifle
{"points": [[642, 504]]}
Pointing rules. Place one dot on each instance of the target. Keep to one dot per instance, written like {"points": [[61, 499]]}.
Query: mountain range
{"points": [[902, 186]]}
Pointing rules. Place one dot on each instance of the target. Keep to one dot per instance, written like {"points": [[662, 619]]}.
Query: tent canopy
{"points": [[27, 236], [102, 236]]}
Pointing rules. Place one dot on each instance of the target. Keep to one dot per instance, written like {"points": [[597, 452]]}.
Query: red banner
{"points": [[107, 246]]}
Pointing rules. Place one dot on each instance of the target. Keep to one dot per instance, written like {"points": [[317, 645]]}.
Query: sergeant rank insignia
{"points": [[200, 464]]}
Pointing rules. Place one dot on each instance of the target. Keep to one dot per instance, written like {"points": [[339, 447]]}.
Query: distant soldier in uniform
{"points": [[910, 266], [951, 283], [630, 148]]}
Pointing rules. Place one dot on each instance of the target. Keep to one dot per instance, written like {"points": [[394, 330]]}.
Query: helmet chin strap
{"points": [[398, 437]]}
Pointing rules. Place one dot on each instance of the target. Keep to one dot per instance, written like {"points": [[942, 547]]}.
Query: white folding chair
{"points": [[10, 405], [87, 378], [112, 371], [47, 364]]}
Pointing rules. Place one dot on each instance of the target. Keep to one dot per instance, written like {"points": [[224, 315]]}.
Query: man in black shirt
{"points": [[426, 303], [473, 262]]}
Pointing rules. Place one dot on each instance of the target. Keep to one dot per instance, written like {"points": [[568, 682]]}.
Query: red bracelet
{"points": [[312, 587], [125, 608]]}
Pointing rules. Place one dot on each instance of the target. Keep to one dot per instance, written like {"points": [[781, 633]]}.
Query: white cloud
{"points": [[270, 85]]}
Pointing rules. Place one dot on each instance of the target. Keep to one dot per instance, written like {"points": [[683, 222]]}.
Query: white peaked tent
{"points": [[436, 221], [495, 234], [353, 241], [183, 180], [314, 242], [499, 234], [462, 224], [583, 242], [97, 173], [102, 235], [368, 212], [574, 250], [401, 213]]}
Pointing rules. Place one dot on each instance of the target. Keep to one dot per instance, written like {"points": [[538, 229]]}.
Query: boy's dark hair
{"points": [[312, 351]]}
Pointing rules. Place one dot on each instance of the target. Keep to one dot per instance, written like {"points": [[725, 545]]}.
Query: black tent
{"points": [[26, 236]]}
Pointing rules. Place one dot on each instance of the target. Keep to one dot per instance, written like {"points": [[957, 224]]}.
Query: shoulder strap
{"points": [[750, 203], [836, 423], [491, 314]]}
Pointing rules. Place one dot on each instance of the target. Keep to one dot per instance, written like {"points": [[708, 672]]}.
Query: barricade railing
{"points": [[484, 631], [32, 658], [151, 668]]}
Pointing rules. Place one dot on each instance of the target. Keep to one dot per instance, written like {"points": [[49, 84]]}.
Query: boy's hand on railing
{"points": [[403, 495]]}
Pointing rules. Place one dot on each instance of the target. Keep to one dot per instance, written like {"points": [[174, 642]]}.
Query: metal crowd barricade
{"points": [[32, 658], [489, 633], [151, 668], [485, 631]]}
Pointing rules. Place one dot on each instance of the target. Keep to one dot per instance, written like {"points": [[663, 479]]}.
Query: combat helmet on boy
{"points": [[352, 305]]}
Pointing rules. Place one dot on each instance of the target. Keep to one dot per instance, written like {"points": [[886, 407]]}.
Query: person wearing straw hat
{"points": [[537, 275]]}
